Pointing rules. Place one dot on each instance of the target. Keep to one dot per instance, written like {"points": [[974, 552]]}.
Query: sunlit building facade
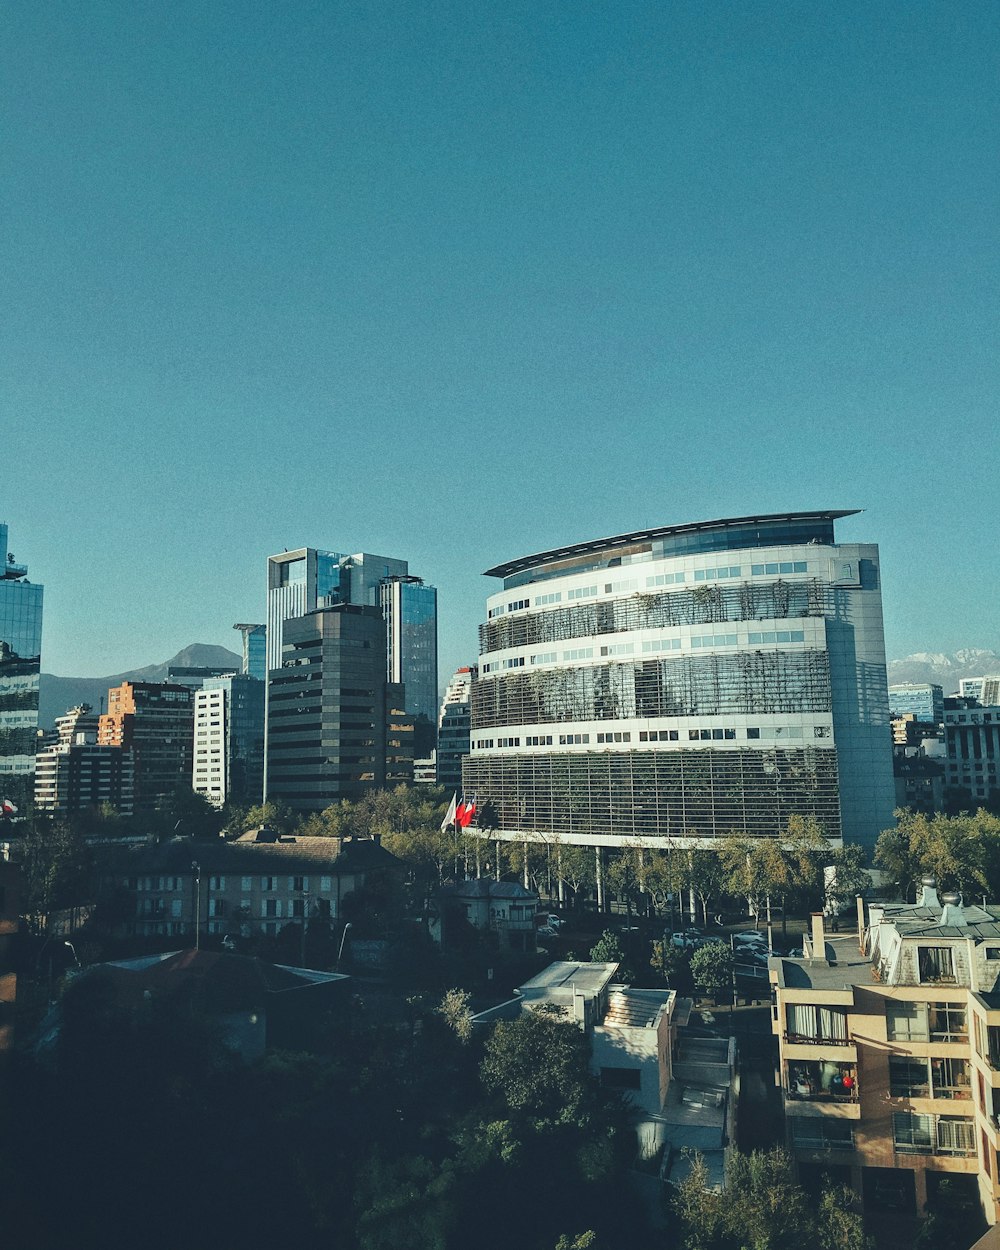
{"points": [[684, 682], [20, 669]]}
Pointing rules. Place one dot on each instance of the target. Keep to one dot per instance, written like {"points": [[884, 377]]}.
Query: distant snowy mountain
{"points": [[946, 670], [56, 694]]}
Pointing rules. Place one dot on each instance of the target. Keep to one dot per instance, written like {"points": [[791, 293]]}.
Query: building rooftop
{"points": [[570, 976], [327, 855], [510, 567], [845, 966]]}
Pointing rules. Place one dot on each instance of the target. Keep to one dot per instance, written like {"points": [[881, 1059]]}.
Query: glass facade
{"points": [[410, 611], [20, 667], [646, 687]]}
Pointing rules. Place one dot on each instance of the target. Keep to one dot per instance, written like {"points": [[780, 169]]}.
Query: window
{"points": [[948, 1023], [908, 1077], [665, 579], [582, 592], [217, 883], [810, 1133], [808, 1023], [542, 600], [246, 884], [912, 1134], [267, 883], [783, 566], [935, 964], [723, 570], [906, 1022], [954, 1136], [950, 1078], [753, 733]]}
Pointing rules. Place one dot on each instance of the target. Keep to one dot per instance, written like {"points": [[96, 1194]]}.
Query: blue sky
{"points": [[458, 281]]}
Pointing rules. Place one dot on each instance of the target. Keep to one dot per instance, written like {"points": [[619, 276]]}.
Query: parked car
{"points": [[751, 935], [552, 920], [686, 939], [546, 931]]}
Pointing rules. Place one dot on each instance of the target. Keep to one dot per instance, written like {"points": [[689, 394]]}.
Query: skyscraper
{"points": [[326, 709], [453, 729], [20, 667], [683, 682], [308, 580], [410, 611]]}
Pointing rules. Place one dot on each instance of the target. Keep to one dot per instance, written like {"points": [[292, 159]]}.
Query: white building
{"points": [[684, 682]]}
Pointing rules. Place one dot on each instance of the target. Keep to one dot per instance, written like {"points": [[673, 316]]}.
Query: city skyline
{"points": [[467, 282]]}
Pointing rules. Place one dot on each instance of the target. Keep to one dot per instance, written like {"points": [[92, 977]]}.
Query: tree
{"points": [[959, 851], [456, 1012], [840, 1225], [609, 950], [712, 968], [57, 866], [575, 867], [755, 868], [673, 965], [623, 876], [538, 1063], [704, 872], [698, 1209], [849, 876]]}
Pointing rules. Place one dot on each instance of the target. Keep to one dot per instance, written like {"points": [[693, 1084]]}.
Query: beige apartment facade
{"points": [[889, 1052]]}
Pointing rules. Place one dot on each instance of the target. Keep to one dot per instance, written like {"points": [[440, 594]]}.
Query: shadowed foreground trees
{"points": [[763, 1208], [138, 1127]]}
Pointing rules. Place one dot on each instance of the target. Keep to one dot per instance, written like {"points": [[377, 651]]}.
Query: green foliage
{"points": [[575, 866], [712, 968], [538, 1064], [755, 869], [57, 867], [582, 1241], [609, 950], [763, 1208], [962, 852], [456, 1012]]}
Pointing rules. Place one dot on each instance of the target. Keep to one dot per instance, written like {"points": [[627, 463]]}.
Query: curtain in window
{"points": [[832, 1025], [955, 1136], [802, 1020]]}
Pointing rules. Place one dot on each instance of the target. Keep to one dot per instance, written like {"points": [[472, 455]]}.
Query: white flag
{"points": [[449, 816]]}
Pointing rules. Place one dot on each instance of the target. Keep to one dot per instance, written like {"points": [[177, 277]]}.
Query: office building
{"points": [[229, 739], [154, 721], [75, 773], [454, 724], [307, 580], [326, 708], [972, 754], [254, 650], [20, 667], [684, 682], [971, 688], [889, 1045], [923, 700], [410, 611], [303, 580]]}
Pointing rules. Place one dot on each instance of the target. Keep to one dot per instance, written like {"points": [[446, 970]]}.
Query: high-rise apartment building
{"points": [[75, 772], [889, 1044], [684, 682], [229, 739], [454, 724], [20, 668], [326, 708], [154, 721]]}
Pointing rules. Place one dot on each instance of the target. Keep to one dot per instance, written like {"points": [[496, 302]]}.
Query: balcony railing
{"points": [[798, 1092], [807, 1039]]}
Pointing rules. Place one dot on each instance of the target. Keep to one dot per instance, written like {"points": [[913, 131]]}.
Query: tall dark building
{"points": [[20, 666], [326, 715], [410, 611]]}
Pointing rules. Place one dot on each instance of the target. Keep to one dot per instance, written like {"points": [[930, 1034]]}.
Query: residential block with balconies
{"points": [[889, 1051]]}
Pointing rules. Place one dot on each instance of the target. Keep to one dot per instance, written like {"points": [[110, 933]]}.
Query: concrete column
{"points": [[561, 885], [497, 872], [599, 873], [526, 865]]}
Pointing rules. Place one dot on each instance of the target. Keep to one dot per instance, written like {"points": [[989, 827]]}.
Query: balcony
{"points": [[822, 1082]]}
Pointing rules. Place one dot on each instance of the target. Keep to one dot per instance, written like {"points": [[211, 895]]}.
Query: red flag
{"points": [[464, 813]]}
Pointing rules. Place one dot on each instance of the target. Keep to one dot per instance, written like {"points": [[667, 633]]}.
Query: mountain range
{"points": [[56, 694], [946, 670]]}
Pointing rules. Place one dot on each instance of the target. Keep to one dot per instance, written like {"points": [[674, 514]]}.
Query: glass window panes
{"points": [[906, 1022], [908, 1077]]}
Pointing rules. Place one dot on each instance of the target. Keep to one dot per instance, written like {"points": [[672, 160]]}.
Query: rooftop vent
{"points": [[928, 892], [952, 912]]}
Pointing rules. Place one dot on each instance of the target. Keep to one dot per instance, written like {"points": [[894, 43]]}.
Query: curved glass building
{"points": [[683, 683]]}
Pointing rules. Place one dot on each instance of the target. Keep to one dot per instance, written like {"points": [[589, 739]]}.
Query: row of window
{"points": [[724, 734], [911, 1134], [912, 1077], [650, 647], [267, 884], [581, 592]]}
